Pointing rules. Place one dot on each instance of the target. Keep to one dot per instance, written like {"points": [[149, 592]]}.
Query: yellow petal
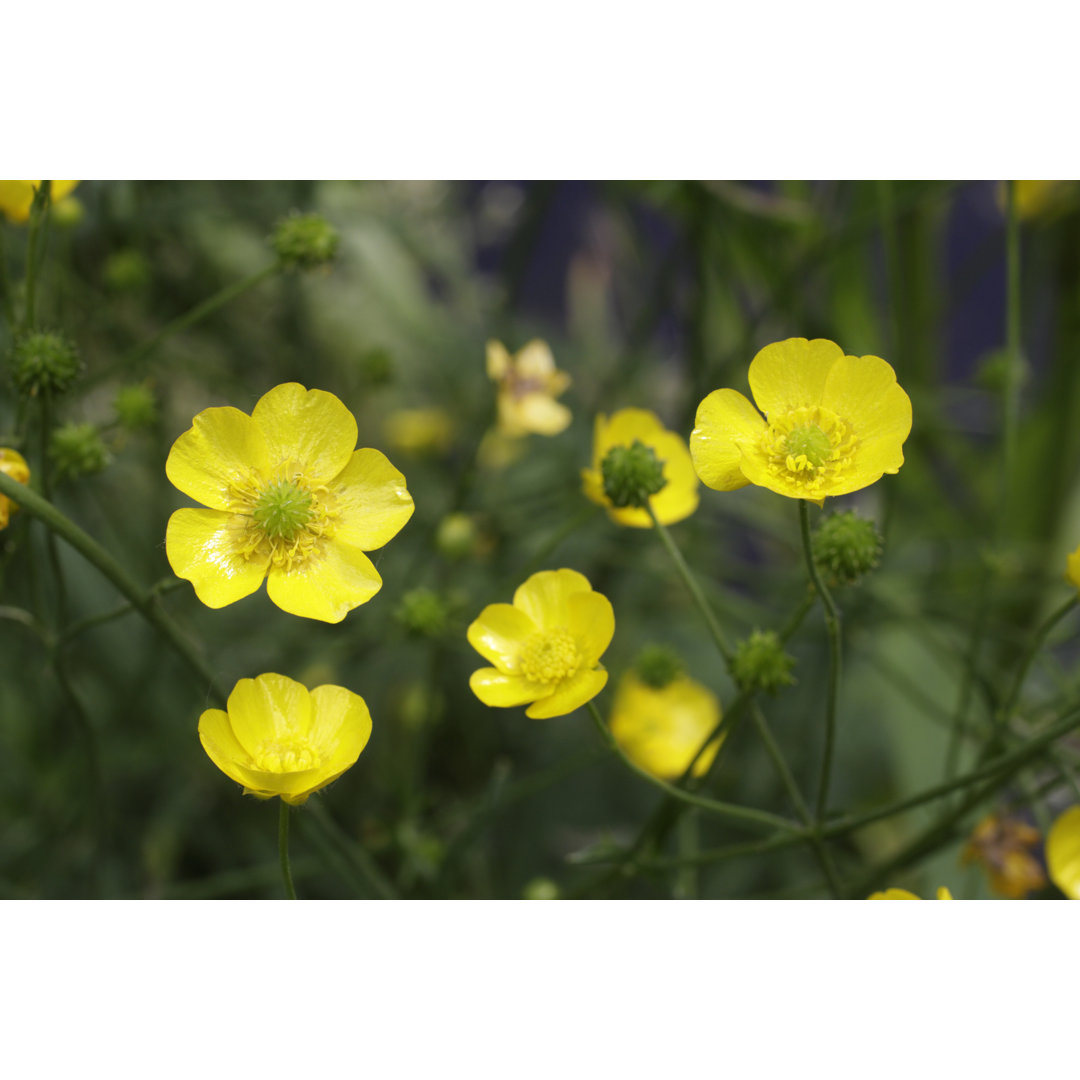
{"points": [[223, 749], [791, 374], [943, 893], [308, 430], [570, 695], [16, 198], [541, 414], [502, 691], [498, 360], [498, 634], [545, 597], [725, 421], [534, 360], [1072, 571], [864, 392], [1063, 852], [679, 498], [372, 501], [592, 624], [204, 547], [61, 189], [894, 894], [327, 585], [221, 450], [622, 429], [340, 726], [270, 708]]}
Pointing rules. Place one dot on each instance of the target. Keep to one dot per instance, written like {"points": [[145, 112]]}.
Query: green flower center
{"points": [[286, 755], [808, 446], [282, 510], [550, 657]]}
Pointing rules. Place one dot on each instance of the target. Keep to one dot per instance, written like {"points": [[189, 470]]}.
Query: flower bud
{"points": [[422, 612], [456, 536], [135, 407], [126, 270], [657, 666], [540, 888], [44, 360], [760, 663], [846, 547], [77, 450], [631, 474], [304, 240], [12, 464]]}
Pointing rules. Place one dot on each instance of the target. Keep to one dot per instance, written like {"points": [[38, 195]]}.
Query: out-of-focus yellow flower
{"points": [[290, 500], [661, 729], [420, 431], [902, 894], [1002, 845], [17, 196], [546, 646], [1072, 568], [678, 498], [528, 384], [833, 424], [1035, 198], [277, 738], [1063, 852], [12, 464]]}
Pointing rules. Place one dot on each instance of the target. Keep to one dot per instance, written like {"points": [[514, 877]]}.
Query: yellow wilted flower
{"points": [[677, 499], [662, 728], [833, 424], [277, 738], [1063, 852], [1002, 845], [528, 384], [902, 894], [13, 464], [290, 500], [546, 646], [17, 196], [420, 431]]}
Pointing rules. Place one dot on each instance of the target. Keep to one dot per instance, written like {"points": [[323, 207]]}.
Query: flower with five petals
{"points": [[528, 384]]}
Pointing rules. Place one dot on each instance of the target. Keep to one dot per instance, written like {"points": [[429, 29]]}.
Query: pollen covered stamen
{"points": [[550, 656], [287, 755], [811, 446], [282, 510], [283, 520]]}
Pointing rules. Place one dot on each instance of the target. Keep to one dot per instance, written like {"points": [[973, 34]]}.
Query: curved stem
{"points": [[283, 850], [1007, 706]]}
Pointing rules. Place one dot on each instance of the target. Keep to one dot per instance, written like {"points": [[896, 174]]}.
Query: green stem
{"points": [[968, 677], [746, 814], [1005, 712], [38, 215], [144, 601], [283, 850], [1012, 343], [692, 586], [7, 303], [832, 628]]}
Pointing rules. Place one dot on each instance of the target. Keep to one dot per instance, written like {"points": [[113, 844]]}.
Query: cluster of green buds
{"points": [[846, 547], [135, 407], [657, 666], [423, 613], [304, 241], [77, 450], [632, 474], [44, 361], [760, 663]]}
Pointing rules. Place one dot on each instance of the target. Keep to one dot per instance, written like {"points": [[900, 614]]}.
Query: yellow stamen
{"points": [[550, 656]]}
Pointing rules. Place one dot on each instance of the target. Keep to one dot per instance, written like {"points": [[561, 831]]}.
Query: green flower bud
{"points": [[44, 360], [423, 613], [67, 213], [304, 240], [77, 450], [135, 407], [631, 474], [541, 888], [846, 547], [657, 666], [126, 270], [760, 663], [456, 536]]}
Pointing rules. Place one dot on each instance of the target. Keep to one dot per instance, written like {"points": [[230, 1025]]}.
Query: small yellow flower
{"points": [[902, 894], [1072, 568], [420, 431], [277, 738], [833, 424], [678, 498], [546, 646], [1063, 852], [1002, 845], [13, 464], [662, 729], [528, 384], [1035, 198], [290, 500], [17, 196]]}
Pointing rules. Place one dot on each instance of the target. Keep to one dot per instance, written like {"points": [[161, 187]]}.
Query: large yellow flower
{"points": [[678, 499], [290, 500], [546, 646], [1063, 852], [17, 196], [279, 739], [528, 384], [833, 424], [12, 464], [662, 729], [902, 894]]}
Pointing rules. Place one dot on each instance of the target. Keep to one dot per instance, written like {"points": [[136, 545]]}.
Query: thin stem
{"points": [[1005, 712], [832, 628], [692, 586], [745, 814], [38, 215], [283, 850], [7, 303], [968, 677], [1011, 402]]}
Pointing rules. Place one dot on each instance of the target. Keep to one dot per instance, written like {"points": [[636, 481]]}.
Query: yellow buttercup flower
{"points": [[1063, 852], [528, 384], [902, 894], [833, 424], [420, 431], [661, 729], [546, 646], [678, 498], [1003, 846], [289, 499], [13, 464], [277, 738], [1072, 568], [17, 196], [1035, 198]]}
